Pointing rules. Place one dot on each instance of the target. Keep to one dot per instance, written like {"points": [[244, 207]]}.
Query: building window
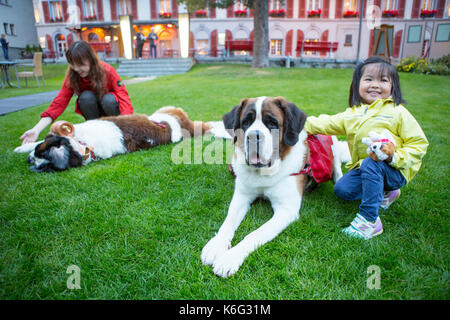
{"points": [[351, 5], [275, 5], [124, 7], [414, 34], [89, 9], [202, 47], [390, 5], [443, 33], [56, 14], [5, 27], [348, 40], [11, 28], [164, 6], [429, 5], [276, 47], [313, 5]]}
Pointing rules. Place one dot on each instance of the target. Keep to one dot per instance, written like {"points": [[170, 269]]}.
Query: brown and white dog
{"points": [[270, 146], [109, 136]]}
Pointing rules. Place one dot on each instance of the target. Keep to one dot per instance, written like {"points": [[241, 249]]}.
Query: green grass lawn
{"points": [[136, 224]]}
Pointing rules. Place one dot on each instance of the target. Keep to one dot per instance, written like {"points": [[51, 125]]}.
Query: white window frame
{"points": [[353, 5], [276, 5], [429, 5], [52, 11], [274, 45], [127, 7]]}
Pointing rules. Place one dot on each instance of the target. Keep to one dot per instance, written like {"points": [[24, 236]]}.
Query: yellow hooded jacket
{"points": [[357, 121]]}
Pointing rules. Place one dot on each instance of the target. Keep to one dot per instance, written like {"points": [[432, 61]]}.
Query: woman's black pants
{"points": [[92, 108]]}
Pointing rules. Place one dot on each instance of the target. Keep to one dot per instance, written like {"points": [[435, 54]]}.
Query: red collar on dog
{"points": [[88, 151]]}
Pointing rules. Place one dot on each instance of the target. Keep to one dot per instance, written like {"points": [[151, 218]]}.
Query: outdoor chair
{"points": [[37, 70]]}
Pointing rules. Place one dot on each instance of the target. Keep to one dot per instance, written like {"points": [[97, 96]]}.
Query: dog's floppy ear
{"points": [[231, 120], [294, 120]]}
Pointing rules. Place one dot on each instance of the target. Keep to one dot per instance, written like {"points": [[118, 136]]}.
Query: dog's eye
{"points": [[247, 121]]}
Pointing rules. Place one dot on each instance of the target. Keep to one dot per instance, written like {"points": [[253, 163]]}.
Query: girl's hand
{"points": [[30, 136]]}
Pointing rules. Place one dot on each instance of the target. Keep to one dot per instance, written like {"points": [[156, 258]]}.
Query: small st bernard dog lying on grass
{"points": [[270, 146], [106, 137]]}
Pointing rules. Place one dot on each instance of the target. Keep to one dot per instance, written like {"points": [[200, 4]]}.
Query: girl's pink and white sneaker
{"points": [[388, 198]]}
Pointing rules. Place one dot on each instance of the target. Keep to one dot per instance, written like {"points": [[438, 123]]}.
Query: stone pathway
{"points": [[12, 104]]}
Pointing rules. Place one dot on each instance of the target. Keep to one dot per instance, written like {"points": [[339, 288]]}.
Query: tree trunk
{"points": [[261, 34]]}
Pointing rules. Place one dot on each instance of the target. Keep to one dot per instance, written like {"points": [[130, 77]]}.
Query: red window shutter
{"points": [[49, 42], [113, 9], [324, 37], [228, 35], [401, 9], [134, 9], [288, 49], [80, 6], [397, 43], [251, 35], [212, 10], [302, 9], [300, 38], [326, 9], [339, 8], [290, 8], [174, 9], [153, 10], [69, 39], [64, 10], [251, 13], [214, 43], [212, 13], [46, 12], [191, 40], [371, 43], [100, 16], [230, 12], [415, 9], [440, 9]]}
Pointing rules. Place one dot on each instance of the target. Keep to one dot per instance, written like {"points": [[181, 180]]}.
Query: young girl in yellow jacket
{"points": [[374, 105]]}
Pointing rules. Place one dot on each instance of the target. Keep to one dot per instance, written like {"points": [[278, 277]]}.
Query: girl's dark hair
{"points": [[77, 53], [354, 98]]}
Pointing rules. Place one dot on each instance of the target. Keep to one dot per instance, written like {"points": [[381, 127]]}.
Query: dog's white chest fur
{"points": [[104, 136]]}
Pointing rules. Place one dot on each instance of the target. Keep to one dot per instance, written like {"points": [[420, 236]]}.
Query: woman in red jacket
{"points": [[97, 84]]}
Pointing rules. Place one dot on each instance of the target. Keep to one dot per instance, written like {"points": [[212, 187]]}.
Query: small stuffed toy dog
{"points": [[381, 147]]}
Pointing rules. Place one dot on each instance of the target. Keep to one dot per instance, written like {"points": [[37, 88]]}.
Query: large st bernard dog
{"points": [[109, 136], [270, 147]]}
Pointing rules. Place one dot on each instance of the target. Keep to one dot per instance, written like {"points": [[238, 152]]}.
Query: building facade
{"points": [[395, 28], [18, 25]]}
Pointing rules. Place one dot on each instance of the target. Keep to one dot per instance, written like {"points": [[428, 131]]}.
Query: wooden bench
{"points": [[316, 46]]}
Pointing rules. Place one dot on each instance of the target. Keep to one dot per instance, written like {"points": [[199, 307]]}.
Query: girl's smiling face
{"points": [[374, 84], [81, 69]]}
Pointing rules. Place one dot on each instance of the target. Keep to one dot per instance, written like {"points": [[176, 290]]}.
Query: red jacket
{"points": [[113, 85]]}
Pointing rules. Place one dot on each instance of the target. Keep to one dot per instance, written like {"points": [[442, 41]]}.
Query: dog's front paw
{"points": [[228, 263], [25, 148], [213, 249]]}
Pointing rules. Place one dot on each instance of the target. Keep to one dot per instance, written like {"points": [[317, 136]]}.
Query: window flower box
{"points": [[314, 13], [277, 13], [90, 18], [428, 13], [390, 13], [55, 20], [351, 14], [165, 15], [240, 13], [201, 14]]}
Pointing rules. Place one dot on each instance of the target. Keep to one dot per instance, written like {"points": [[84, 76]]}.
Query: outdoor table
{"points": [[5, 65]]}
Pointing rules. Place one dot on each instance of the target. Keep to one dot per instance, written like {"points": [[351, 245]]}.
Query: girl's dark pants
{"points": [[92, 108]]}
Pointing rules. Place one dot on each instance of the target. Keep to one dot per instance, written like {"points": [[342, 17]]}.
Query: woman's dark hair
{"points": [[77, 53], [354, 98]]}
